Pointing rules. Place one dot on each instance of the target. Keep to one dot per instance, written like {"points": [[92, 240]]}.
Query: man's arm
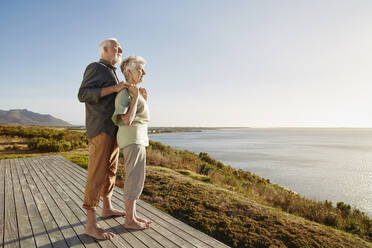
{"points": [[112, 89], [91, 92]]}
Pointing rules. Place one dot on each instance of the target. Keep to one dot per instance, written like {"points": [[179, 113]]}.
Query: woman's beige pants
{"points": [[135, 169]]}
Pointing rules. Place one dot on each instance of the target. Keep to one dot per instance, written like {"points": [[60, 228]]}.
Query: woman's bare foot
{"points": [[98, 233], [136, 225], [148, 222], [108, 213]]}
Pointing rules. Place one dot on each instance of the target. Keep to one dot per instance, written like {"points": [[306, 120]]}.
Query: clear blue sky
{"points": [[209, 63]]}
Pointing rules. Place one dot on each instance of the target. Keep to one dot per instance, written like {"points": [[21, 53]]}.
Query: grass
{"points": [[18, 156], [195, 176], [81, 160]]}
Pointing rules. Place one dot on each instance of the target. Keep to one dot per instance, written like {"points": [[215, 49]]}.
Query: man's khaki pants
{"points": [[102, 166]]}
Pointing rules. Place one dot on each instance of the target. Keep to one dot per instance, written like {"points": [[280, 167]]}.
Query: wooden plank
{"points": [[71, 221], [144, 235], [65, 203], [176, 236], [69, 234], [2, 201], [50, 225], [125, 237], [211, 242], [135, 238], [11, 238], [45, 166], [185, 231], [178, 227], [39, 232], [26, 235], [62, 189]]}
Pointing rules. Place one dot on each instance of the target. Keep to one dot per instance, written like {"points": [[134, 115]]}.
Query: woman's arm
{"points": [[129, 116], [143, 93]]}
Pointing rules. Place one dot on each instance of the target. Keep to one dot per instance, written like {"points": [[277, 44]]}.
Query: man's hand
{"points": [[133, 90], [143, 93], [120, 86]]}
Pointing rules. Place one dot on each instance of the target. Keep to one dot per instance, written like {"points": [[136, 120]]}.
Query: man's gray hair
{"points": [[106, 43], [131, 64]]}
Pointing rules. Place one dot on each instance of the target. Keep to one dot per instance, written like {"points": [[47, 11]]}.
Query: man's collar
{"points": [[106, 63]]}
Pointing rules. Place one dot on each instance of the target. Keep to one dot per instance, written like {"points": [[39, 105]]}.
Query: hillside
{"points": [[236, 220], [26, 117]]}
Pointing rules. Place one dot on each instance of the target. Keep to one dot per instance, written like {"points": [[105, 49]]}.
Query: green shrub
{"points": [[353, 226], [159, 146], [16, 147], [344, 208], [205, 168], [331, 219], [205, 157], [40, 132], [47, 145]]}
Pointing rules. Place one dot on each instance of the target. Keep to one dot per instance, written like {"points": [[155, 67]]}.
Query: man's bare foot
{"points": [[148, 222], [100, 229], [99, 233], [112, 213], [136, 225]]}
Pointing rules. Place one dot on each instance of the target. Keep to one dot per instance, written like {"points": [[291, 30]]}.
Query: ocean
{"points": [[332, 164]]}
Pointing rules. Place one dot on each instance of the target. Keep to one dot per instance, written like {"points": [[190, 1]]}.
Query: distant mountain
{"points": [[25, 117]]}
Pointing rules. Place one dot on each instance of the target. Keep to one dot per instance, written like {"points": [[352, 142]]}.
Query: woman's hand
{"points": [[133, 90], [143, 93]]}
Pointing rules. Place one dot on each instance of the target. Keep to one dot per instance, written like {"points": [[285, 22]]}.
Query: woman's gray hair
{"points": [[106, 43], [131, 63]]}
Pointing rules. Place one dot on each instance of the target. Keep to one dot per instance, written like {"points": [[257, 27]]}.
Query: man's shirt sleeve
{"points": [[89, 90]]}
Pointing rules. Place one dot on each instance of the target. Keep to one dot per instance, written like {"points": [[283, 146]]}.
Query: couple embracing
{"points": [[117, 117]]}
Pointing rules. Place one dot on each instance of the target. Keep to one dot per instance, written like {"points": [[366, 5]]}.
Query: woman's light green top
{"points": [[136, 133]]}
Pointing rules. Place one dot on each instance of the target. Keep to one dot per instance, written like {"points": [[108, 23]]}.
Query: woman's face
{"points": [[138, 74]]}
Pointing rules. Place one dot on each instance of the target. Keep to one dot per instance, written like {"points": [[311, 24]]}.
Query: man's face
{"points": [[115, 52]]}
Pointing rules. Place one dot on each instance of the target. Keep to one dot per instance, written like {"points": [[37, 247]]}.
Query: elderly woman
{"points": [[132, 116]]}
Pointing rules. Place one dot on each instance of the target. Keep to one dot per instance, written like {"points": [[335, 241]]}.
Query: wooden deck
{"points": [[40, 206]]}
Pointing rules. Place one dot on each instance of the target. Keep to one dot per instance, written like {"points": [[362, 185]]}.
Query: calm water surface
{"points": [[321, 164]]}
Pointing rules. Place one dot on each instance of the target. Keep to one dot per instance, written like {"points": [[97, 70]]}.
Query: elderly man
{"points": [[98, 90]]}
